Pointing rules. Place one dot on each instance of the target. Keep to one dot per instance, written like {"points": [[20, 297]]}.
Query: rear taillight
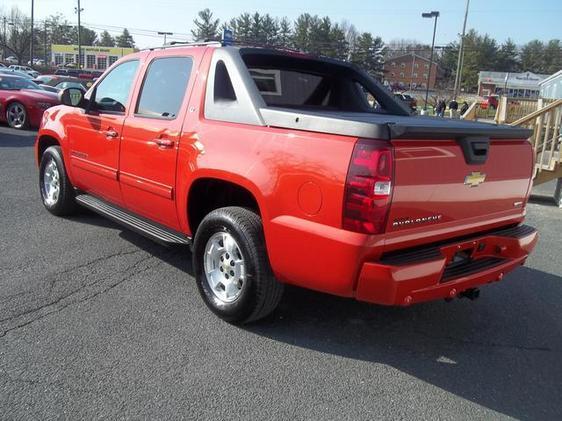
{"points": [[368, 187]]}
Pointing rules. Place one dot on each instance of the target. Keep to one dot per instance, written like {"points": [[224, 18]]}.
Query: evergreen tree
{"points": [[320, 37], [125, 40], [369, 54], [242, 26], [106, 40], [270, 29], [205, 26], [447, 62], [339, 46], [285, 33], [480, 53], [87, 36], [303, 28], [532, 57], [256, 30], [508, 57], [552, 57]]}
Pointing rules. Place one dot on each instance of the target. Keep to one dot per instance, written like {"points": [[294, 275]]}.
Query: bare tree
{"points": [[18, 36]]}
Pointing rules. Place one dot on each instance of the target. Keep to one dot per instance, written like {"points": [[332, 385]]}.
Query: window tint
{"points": [[164, 87], [15, 83], [223, 90], [283, 87], [299, 82], [113, 91]]}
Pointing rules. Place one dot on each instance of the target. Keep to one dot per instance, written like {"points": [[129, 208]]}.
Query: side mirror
{"points": [[72, 97]]}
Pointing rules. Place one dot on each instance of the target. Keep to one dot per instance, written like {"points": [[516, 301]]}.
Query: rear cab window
{"points": [[305, 83]]}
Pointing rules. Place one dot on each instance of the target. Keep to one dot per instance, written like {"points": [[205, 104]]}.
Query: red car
{"points": [[23, 102], [490, 101], [277, 169]]}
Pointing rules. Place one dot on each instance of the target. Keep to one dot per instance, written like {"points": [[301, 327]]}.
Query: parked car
{"points": [[67, 72], [36, 62], [62, 82], [11, 60], [489, 101], [23, 102], [13, 72], [2, 65], [25, 69], [408, 99], [278, 170]]}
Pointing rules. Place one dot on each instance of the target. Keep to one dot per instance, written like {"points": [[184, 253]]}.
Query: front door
{"points": [[95, 137], [150, 137]]}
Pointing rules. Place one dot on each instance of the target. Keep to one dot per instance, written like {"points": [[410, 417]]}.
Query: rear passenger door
{"points": [[149, 145]]}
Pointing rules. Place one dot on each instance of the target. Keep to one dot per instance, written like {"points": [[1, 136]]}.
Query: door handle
{"points": [[164, 143], [111, 134]]}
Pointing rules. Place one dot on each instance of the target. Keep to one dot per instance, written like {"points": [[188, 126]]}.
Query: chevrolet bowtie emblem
{"points": [[474, 179]]}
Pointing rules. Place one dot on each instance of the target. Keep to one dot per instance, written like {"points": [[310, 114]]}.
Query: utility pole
{"points": [[45, 41], [32, 34], [78, 10], [460, 60], [165, 34], [4, 40], [432, 14]]}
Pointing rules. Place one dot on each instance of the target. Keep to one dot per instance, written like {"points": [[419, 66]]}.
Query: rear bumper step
{"points": [[446, 269], [140, 225]]}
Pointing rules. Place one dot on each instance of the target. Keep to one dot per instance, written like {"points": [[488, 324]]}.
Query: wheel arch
{"points": [[210, 192], [45, 141]]}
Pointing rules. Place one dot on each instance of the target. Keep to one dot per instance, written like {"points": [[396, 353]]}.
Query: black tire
{"points": [[64, 203], [22, 120], [261, 292]]}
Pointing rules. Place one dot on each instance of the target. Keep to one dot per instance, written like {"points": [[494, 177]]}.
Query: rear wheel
{"points": [[56, 191], [231, 266], [16, 116]]}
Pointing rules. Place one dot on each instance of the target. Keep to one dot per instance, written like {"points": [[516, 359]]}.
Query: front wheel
{"points": [[56, 191], [16, 116], [231, 266]]}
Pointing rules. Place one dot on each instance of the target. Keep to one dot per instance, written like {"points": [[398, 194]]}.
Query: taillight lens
{"points": [[368, 187]]}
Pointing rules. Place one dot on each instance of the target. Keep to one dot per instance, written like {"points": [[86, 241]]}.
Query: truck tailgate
{"points": [[434, 183]]}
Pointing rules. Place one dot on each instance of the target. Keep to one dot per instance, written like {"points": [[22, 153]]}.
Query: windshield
{"points": [[15, 83]]}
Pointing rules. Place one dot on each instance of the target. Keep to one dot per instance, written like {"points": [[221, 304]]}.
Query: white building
{"points": [[551, 87], [515, 85]]}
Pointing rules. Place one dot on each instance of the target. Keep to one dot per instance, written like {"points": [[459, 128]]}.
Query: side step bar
{"points": [[140, 225]]}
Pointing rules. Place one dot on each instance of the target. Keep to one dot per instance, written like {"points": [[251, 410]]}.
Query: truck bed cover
{"points": [[386, 126]]}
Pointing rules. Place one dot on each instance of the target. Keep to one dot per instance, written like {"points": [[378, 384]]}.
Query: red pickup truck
{"points": [[282, 168]]}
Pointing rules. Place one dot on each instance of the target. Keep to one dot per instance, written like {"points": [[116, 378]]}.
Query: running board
{"points": [[140, 225]]}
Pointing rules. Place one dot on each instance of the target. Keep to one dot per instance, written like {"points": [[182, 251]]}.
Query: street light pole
{"points": [[432, 14], [460, 59], [165, 34]]}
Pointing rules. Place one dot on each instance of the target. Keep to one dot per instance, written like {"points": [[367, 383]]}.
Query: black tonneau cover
{"points": [[386, 126]]}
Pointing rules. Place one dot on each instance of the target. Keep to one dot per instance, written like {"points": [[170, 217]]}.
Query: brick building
{"points": [[409, 71]]}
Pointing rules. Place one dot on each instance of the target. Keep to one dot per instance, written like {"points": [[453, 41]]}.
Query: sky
{"points": [[520, 20]]}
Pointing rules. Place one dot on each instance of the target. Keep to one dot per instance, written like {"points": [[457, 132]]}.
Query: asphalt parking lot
{"points": [[98, 322]]}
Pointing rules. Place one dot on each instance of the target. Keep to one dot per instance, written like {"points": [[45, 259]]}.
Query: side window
{"points": [[164, 87], [113, 91]]}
